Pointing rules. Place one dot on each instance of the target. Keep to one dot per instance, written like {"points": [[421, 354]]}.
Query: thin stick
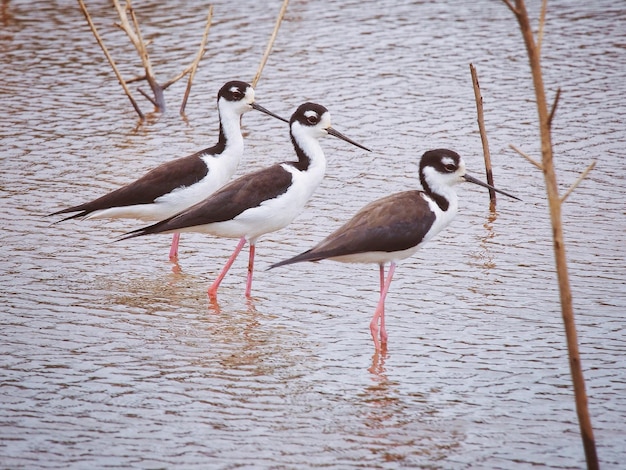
{"points": [[120, 79], [279, 20], [148, 97], [136, 79], [511, 7], [554, 202], [554, 105], [140, 45], [527, 157], [483, 135], [542, 24], [196, 62], [575, 184]]}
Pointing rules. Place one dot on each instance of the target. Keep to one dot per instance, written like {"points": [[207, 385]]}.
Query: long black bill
{"points": [[471, 179], [258, 107], [338, 134]]}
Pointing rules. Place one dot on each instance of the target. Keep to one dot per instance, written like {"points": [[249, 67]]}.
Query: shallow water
{"points": [[112, 359]]}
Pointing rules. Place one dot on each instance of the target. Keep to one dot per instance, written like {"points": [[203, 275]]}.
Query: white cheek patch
{"points": [[310, 113], [448, 161]]}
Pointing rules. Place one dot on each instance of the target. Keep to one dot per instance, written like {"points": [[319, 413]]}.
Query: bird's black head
{"points": [[441, 168], [308, 114], [234, 90], [442, 160], [315, 118]]}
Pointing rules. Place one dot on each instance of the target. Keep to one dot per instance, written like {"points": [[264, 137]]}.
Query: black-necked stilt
{"points": [[176, 185], [264, 201], [394, 227]]}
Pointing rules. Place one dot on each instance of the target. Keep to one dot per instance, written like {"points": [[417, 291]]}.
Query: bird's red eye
{"points": [[312, 119]]}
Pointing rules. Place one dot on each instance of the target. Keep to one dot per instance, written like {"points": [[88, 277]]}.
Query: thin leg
{"points": [[250, 269], [383, 331], [380, 308], [213, 289], [174, 247]]}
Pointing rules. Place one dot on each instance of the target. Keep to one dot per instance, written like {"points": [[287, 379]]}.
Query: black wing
{"points": [[161, 180], [241, 194], [393, 223]]}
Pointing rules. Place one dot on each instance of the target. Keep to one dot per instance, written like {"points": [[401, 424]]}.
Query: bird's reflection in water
{"points": [[381, 395], [377, 369], [176, 269], [483, 257], [215, 308]]}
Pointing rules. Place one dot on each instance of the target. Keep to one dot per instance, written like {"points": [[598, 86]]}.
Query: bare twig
{"points": [[270, 43], [554, 201], [554, 105], [511, 7], [130, 25], [110, 59], [148, 97], [542, 24], [134, 34], [140, 78], [527, 157], [575, 184], [483, 135], [192, 69]]}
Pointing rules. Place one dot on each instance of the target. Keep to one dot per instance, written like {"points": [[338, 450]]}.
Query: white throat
{"points": [[230, 121]]}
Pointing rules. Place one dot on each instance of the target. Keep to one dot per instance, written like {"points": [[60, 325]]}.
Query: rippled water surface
{"points": [[111, 357]]}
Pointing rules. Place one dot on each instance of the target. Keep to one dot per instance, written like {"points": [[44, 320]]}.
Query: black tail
{"points": [[306, 256], [135, 233], [78, 215], [149, 230]]}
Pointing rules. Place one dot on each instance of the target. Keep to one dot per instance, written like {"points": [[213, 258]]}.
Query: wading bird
{"points": [[260, 202], [395, 227], [178, 184]]}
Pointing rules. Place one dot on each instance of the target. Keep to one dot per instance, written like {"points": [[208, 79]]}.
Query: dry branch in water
{"points": [[109, 58], [130, 25], [134, 34], [555, 202], [483, 136]]}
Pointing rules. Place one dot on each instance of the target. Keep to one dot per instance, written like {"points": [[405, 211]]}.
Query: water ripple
{"points": [[113, 357]]}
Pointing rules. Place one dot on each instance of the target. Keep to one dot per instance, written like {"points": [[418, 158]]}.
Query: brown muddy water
{"points": [[112, 359]]}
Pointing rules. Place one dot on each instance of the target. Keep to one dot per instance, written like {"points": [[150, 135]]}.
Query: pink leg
{"points": [[250, 269], [380, 309], [174, 247], [213, 289]]}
